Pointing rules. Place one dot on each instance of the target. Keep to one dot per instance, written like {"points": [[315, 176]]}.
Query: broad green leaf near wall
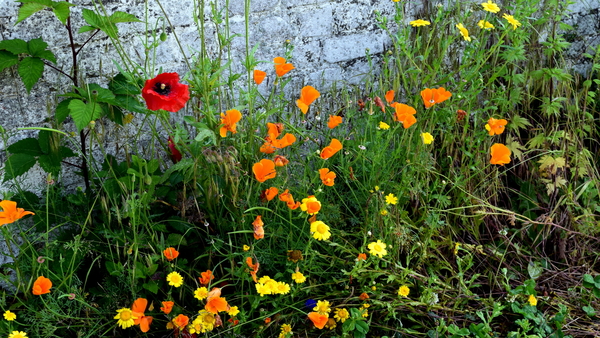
{"points": [[31, 67], [83, 113], [61, 9], [18, 164], [105, 23]]}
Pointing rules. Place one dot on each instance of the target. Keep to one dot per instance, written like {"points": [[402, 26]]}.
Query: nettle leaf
{"points": [[18, 164], [30, 70], [15, 46], [83, 113], [84, 29], [62, 10], [62, 110], [118, 16], [100, 22], [29, 146], [37, 48], [30, 8], [50, 163], [7, 59]]}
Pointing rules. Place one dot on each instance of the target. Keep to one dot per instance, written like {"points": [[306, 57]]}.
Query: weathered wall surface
{"points": [[330, 39]]}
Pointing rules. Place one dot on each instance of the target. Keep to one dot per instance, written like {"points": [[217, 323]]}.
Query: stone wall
{"points": [[330, 39]]}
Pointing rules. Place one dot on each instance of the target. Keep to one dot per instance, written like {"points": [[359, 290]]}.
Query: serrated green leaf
{"points": [[28, 146], [119, 85], [65, 152], [7, 59], [38, 48], [130, 103], [118, 16], [50, 163], [18, 164], [84, 29], [83, 113], [31, 70], [95, 93], [62, 110], [101, 22], [15, 46], [91, 18], [28, 9], [62, 10]]}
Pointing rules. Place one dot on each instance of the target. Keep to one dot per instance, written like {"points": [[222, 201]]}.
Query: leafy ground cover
{"points": [[453, 194]]}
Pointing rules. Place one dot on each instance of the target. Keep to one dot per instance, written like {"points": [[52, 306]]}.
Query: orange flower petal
{"points": [[334, 121], [318, 319], [264, 170], [389, 96], [500, 154], [259, 76]]}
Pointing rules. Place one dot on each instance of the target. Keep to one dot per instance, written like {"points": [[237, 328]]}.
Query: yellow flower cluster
{"points": [[268, 286], [204, 322]]}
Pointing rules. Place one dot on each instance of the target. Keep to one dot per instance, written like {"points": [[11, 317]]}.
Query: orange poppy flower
{"points": [[206, 277], [280, 161], [254, 268], [334, 121], [181, 321], [405, 114], [269, 194], [289, 200], [170, 253], [264, 170], [287, 140], [362, 257], [331, 149], [41, 286], [318, 319], [138, 308], [229, 120], [500, 154], [259, 76], [432, 96], [389, 96], [363, 296], [167, 306], [311, 205], [327, 177], [495, 127], [282, 68], [267, 320], [267, 148], [259, 231], [379, 103], [275, 129], [216, 305], [11, 213], [308, 95]]}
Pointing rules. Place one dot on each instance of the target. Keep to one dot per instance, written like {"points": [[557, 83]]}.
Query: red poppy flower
{"points": [[165, 92], [175, 154]]}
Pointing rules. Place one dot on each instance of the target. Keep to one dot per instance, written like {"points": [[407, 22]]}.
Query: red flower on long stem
{"points": [[165, 92]]}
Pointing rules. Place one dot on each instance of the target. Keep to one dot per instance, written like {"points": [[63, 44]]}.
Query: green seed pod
{"points": [[163, 36]]}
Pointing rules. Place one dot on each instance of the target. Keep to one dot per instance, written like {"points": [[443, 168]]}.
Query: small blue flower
{"points": [[310, 303]]}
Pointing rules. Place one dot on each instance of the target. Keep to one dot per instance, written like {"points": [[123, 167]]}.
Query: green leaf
{"points": [[83, 113], [15, 46], [65, 152], [151, 286], [114, 269], [28, 9], [62, 10], [119, 85], [37, 47], [50, 163], [84, 29], [29, 146], [18, 164], [362, 326], [590, 311], [101, 22], [7, 59], [95, 93], [62, 110], [91, 18], [118, 16], [30, 70]]}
